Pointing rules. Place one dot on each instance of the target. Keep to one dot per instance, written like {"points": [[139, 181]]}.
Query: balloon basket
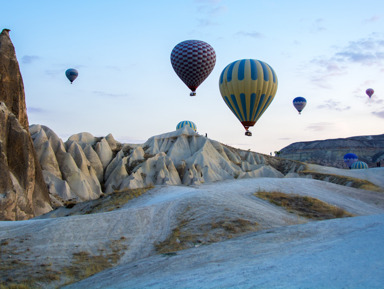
{"points": [[248, 133]]}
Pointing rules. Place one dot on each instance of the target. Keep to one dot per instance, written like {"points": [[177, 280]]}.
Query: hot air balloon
{"points": [[71, 74], [184, 123], [299, 103], [369, 92], [349, 159], [193, 61], [248, 87], [359, 165]]}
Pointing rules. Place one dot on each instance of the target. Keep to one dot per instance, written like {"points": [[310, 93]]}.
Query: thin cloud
{"points": [[318, 26], [54, 72], [333, 105], [36, 110], [27, 59], [253, 34], [327, 69], [372, 19], [379, 113], [109, 95], [209, 9], [320, 126], [366, 51]]}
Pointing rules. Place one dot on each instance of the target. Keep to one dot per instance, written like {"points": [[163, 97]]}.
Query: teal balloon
{"points": [[71, 74], [184, 123]]}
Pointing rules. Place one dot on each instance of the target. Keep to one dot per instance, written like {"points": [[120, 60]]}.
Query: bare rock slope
{"points": [[23, 193], [330, 152]]}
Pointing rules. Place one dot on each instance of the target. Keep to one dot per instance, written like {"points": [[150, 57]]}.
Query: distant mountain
{"points": [[330, 152]]}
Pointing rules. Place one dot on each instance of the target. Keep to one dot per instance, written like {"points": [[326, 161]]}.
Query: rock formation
{"points": [[369, 149], [85, 167], [23, 192]]}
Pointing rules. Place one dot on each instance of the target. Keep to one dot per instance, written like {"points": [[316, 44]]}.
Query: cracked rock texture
{"points": [[23, 192]]}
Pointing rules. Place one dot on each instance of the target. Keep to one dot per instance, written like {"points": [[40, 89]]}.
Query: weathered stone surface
{"points": [[23, 192], [89, 165], [11, 81], [104, 152], [369, 149]]}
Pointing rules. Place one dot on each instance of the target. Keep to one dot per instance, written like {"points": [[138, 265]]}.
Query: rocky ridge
{"points": [[330, 152], [85, 167]]}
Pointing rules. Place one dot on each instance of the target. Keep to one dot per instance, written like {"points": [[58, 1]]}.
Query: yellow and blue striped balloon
{"points": [[359, 165], [248, 87], [186, 122]]}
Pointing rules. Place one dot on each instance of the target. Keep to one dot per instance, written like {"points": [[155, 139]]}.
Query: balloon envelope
{"points": [[248, 87], [193, 61], [359, 165], [369, 92], [349, 159], [184, 123], [299, 103], [71, 74]]}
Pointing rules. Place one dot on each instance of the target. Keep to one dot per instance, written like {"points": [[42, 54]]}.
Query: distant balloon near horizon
{"points": [[248, 86], [299, 103], [184, 123], [350, 159], [193, 61], [71, 74], [369, 92], [359, 165]]}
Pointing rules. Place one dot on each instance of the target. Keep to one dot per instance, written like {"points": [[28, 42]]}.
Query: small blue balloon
{"points": [[71, 74]]}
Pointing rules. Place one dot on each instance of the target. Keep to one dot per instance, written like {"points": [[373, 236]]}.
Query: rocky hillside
{"points": [[85, 167], [330, 152]]}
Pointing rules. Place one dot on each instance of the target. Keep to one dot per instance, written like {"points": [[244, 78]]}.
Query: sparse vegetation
{"points": [[84, 264], [107, 202], [343, 180], [304, 206], [188, 235]]}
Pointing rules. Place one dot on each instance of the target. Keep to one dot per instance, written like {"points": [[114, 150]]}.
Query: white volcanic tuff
{"points": [[77, 169], [136, 155], [87, 174], [104, 152], [158, 170], [116, 172], [45, 153], [68, 175], [113, 144], [94, 161], [82, 138]]}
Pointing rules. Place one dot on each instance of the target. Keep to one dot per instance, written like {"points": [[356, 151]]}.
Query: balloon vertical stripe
{"points": [[229, 104], [241, 70], [252, 106], [243, 105], [230, 70], [236, 105], [265, 71], [253, 69]]}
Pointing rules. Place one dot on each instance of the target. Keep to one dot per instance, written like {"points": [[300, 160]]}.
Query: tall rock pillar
{"points": [[23, 192]]}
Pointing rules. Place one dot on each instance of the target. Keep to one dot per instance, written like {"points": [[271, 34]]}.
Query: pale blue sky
{"points": [[327, 51]]}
